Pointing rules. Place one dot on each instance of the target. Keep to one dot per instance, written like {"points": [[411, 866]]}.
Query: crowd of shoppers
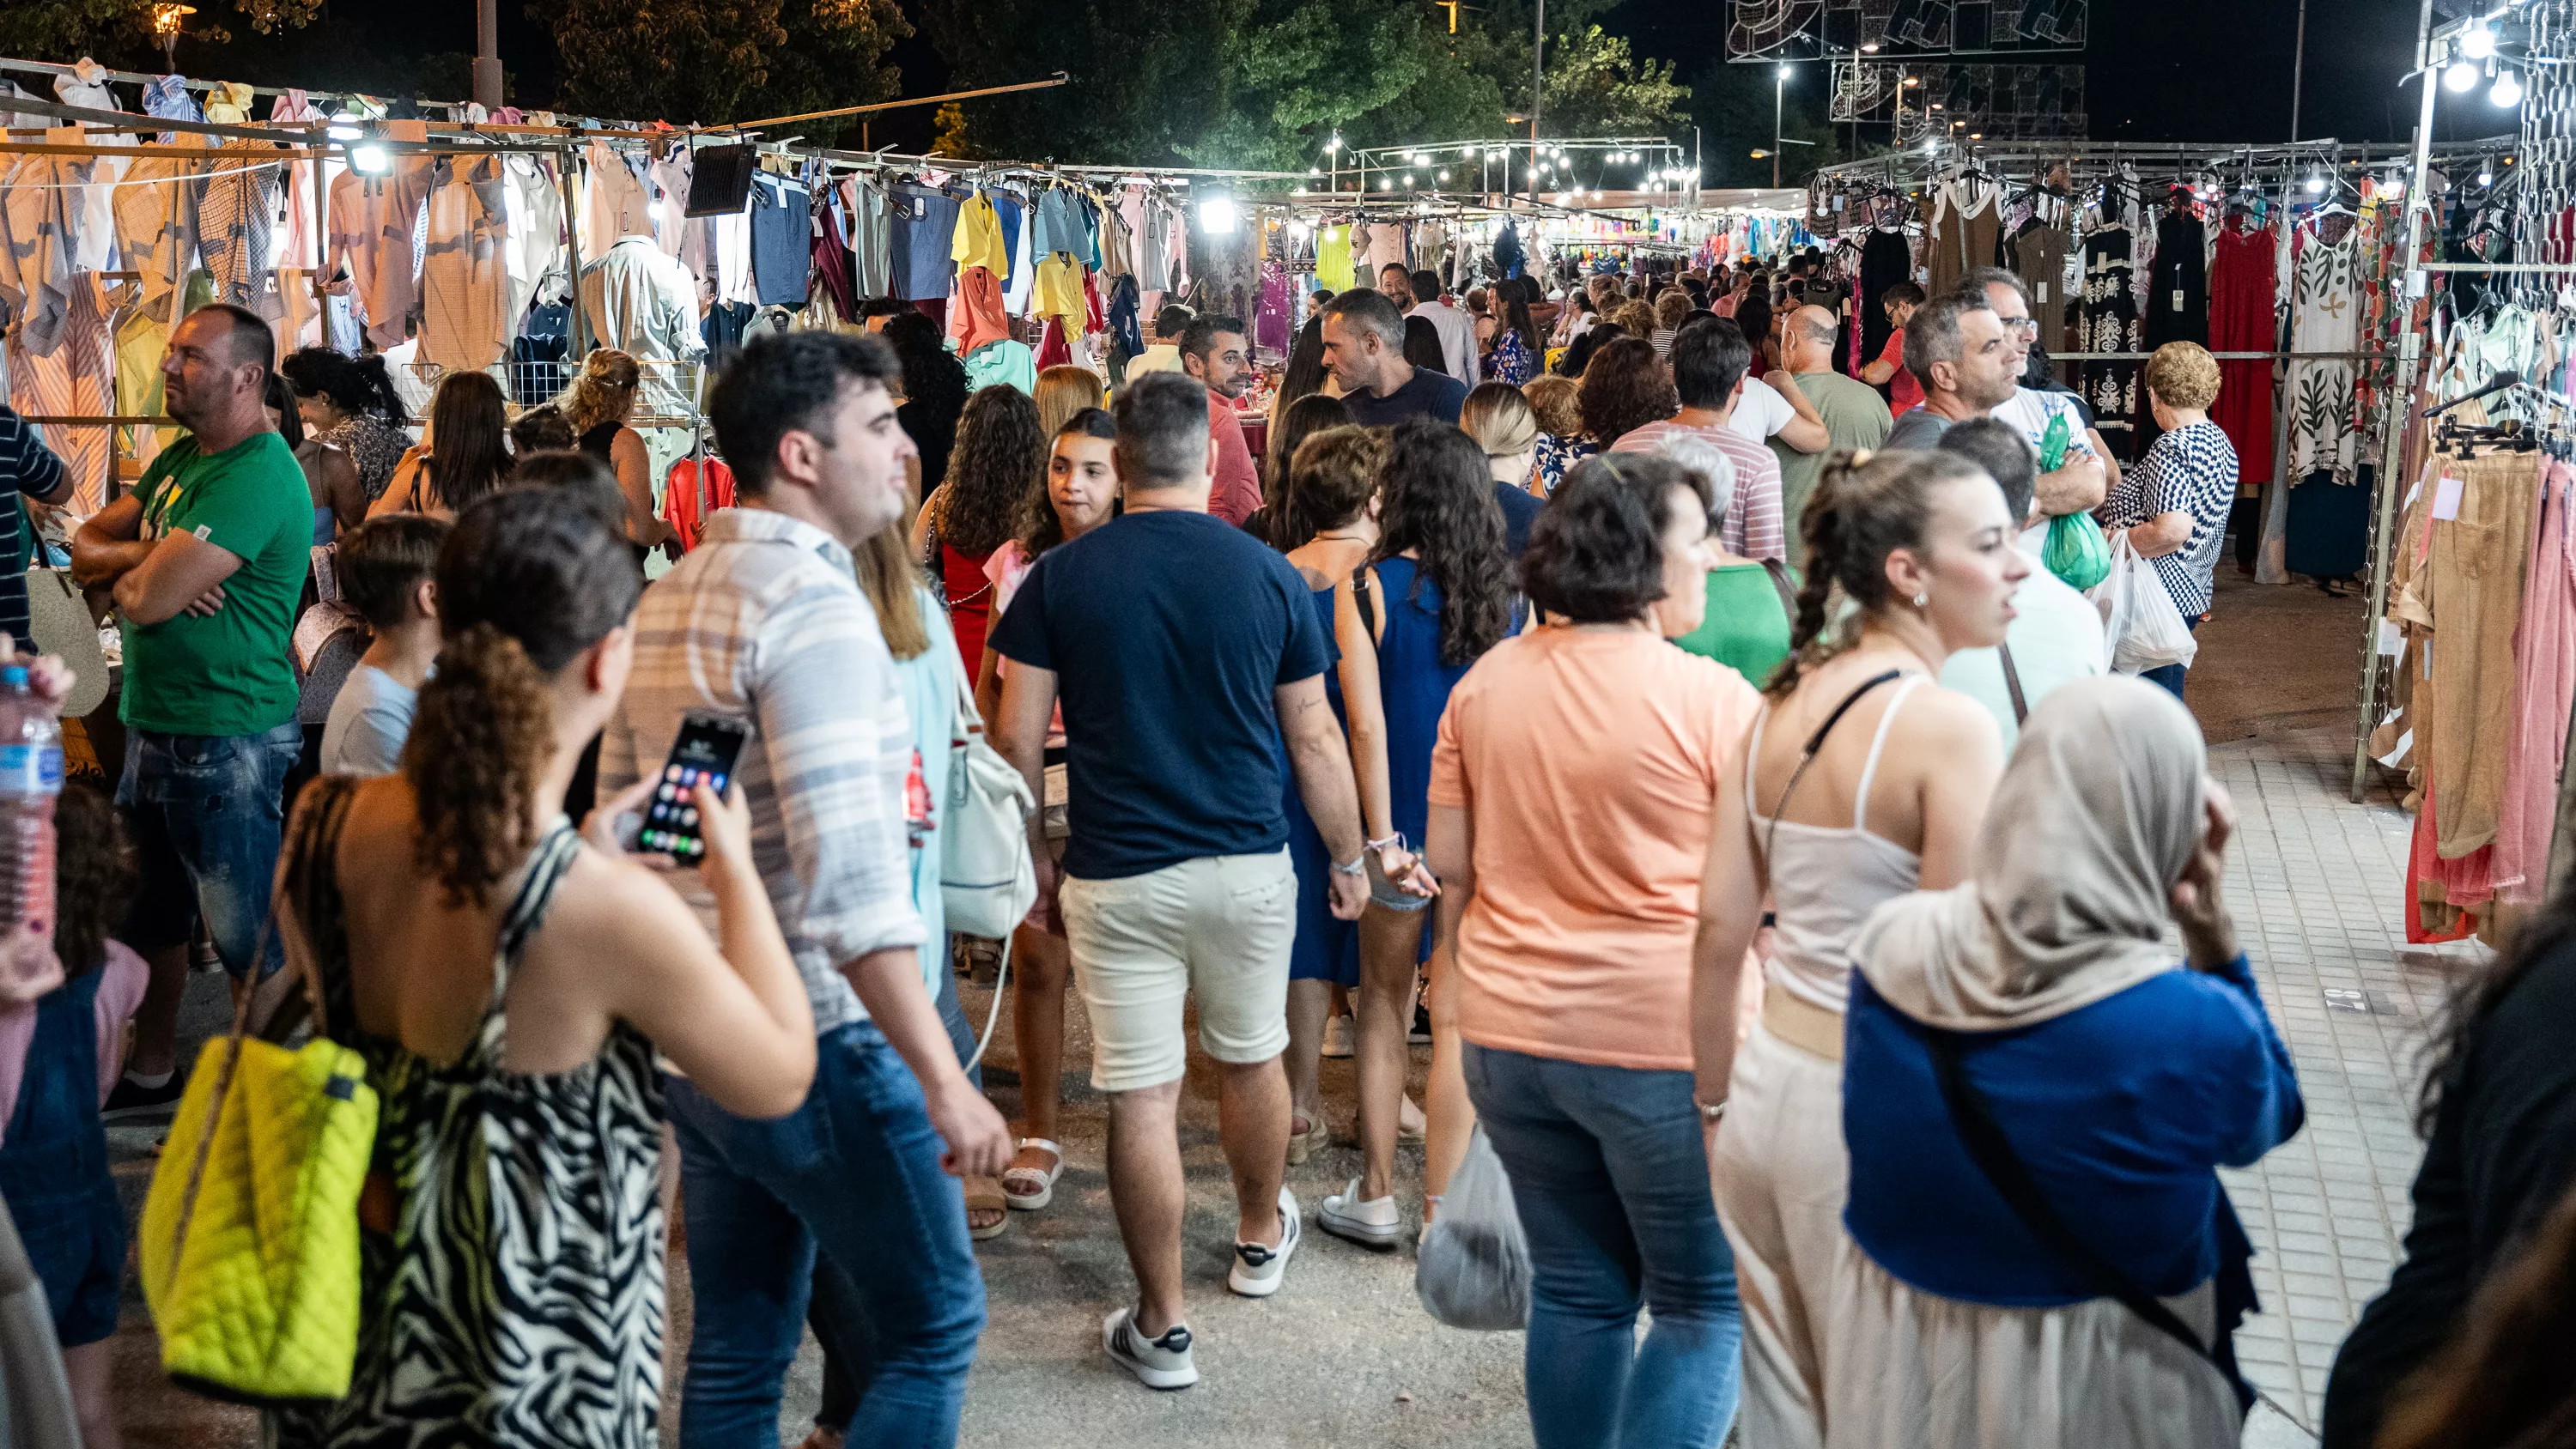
{"points": [[1516, 700]]}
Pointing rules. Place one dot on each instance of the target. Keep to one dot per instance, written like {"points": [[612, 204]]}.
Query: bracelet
{"points": [[1396, 840], [1356, 867], [1711, 1111]]}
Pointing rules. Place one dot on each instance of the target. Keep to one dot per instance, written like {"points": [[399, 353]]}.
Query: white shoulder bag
{"points": [[986, 879]]}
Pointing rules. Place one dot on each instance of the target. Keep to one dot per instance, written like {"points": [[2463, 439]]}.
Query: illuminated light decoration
{"points": [[2316, 182], [2478, 42], [1217, 215], [2507, 91], [2461, 76], [1444, 175], [1297, 227], [1408, 180], [1870, 49], [1386, 183], [1334, 144], [2485, 177]]}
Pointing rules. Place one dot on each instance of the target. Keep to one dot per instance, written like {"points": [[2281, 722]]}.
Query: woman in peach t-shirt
{"points": [[1575, 809]]}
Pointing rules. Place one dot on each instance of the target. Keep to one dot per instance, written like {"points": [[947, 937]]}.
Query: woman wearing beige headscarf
{"points": [[2036, 1095]]}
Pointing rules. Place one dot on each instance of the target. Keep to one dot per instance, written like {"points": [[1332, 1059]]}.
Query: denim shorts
{"points": [[208, 812]]}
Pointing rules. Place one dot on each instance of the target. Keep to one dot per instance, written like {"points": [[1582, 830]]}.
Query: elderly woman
{"points": [[2173, 505], [1560, 443], [2025, 1051]]}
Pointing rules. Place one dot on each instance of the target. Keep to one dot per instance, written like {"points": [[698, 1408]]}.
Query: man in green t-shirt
{"points": [[207, 557], [1855, 416]]}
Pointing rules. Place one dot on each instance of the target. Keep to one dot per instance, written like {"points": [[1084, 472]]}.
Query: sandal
{"points": [[1415, 1132], [1026, 1189], [984, 1195], [1301, 1143]]}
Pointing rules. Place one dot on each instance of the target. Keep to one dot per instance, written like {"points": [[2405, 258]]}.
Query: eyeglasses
{"points": [[2022, 326]]}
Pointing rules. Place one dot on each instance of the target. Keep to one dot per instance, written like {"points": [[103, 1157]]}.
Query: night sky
{"points": [[2188, 70]]}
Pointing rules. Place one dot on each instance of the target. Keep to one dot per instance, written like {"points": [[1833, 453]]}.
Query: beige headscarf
{"points": [[2094, 820]]}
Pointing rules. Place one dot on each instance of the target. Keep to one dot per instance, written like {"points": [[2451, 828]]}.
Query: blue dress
{"points": [[1413, 683], [1326, 949]]}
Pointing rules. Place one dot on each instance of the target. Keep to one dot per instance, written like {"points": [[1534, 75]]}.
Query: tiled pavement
{"points": [[2316, 885]]}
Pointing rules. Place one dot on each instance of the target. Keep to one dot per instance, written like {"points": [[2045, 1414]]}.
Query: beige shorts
{"points": [[1219, 927]]}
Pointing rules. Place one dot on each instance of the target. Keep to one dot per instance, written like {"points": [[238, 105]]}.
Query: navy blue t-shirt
{"points": [[1520, 508], [1433, 395], [1167, 633]]}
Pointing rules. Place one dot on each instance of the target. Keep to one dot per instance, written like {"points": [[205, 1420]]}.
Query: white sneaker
{"points": [[1337, 1038], [1259, 1269], [1157, 1363], [1371, 1223]]}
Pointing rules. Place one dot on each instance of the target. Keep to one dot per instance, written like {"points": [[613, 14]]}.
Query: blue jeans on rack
{"points": [[1609, 1169]]}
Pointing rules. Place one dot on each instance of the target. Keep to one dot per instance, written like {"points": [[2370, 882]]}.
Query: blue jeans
{"points": [[207, 812], [1610, 1172], [855, 1171]]}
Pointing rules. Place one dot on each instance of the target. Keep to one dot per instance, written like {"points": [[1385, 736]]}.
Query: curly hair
{"points": [[2183, 375], [354, 385], [94, 876], [1624, 388], [1553, 399], [1437, 500], [604, 392], [1000, 455], [1865, 507], [530, 578], [1596, 554], [1638, 318], [1305, 418], [1331, 479]]}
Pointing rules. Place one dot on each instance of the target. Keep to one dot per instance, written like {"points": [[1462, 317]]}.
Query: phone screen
{"points": [[705, 751]]}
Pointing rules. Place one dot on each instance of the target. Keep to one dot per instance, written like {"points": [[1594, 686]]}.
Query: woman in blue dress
{"points": [[1435, 595]]}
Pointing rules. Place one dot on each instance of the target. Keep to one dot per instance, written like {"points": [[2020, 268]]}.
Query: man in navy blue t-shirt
{"points": [[1183, 651], [1364, 347]]}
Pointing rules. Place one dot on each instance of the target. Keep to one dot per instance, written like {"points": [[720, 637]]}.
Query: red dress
{"points": [[970, 602], [2240, 320]]}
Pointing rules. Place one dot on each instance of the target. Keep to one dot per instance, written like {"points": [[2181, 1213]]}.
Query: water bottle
{"points": [[31, 775]]}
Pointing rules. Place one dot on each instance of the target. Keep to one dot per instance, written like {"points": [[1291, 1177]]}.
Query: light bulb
{"points": [[1334, 144], [2485, 177], [2460, 77], [1217, 215], [2477, 42], [2507, 91], [1444, 175], [1408, 180], [1386, 183], [1784, 72], [2316, 183], [370, 160]]}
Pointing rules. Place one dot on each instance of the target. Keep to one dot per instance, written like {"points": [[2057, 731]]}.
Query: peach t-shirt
{"points": [[1589, 764]]}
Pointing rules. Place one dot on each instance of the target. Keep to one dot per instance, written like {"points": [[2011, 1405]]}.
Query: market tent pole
{"points": [[2401, 405], [1059, 78]]}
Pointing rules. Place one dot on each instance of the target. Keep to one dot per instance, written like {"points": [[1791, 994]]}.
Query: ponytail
{"points": [[377, 384], [481, 737], [1865, 507]]}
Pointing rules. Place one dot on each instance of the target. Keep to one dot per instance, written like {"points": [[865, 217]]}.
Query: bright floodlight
{"points": [[2478, 42], [370, 160], [1216, 215], [2460, 77]]}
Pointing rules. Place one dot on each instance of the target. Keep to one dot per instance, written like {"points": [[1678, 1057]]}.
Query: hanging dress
{"points": [[2324, 317], [518, 1300], [2109, 323], [2177, 301], [2240, 320], [1967, 231], [2037, 255]]}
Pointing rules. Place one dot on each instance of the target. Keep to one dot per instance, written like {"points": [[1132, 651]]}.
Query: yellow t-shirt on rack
{"points": [[978, 242], [1059, 291], [1333, 258]]}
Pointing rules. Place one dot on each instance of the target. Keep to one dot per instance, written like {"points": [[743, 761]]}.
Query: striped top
{"points": [[26, 466], [763, 621]]}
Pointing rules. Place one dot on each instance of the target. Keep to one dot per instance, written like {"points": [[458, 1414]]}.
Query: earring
{"points": [[1922, 600]]}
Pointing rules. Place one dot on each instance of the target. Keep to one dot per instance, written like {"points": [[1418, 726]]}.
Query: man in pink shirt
{"points": [[1710, 356], [1215, 351]]}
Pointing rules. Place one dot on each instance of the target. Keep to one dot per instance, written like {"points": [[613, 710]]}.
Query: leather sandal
{"points": [[985, 1195], [1027, 1189]]}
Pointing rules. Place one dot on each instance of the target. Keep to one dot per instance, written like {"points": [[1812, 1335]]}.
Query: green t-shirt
{"points": [[1855, 417], [229, 674], [1747, 629]]}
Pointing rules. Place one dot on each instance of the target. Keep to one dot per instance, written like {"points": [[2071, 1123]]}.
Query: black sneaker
{"points": [[1420, 1035], [131, 1098]]}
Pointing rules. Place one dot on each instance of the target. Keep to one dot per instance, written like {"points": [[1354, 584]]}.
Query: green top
{"points": [[229, 674], [1855, 417], [1746, 630]]}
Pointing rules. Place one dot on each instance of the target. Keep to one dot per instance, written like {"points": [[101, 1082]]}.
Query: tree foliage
{"points": [[708, 61], [1261, 83], [119, 32], [1731, 105]]}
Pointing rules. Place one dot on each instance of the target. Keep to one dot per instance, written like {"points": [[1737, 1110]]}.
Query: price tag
{"points": [[2446, 498], [2177, 296], [2043, 294]]}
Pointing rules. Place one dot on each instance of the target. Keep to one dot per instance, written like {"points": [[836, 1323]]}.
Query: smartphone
{"points": [[704, 753]]}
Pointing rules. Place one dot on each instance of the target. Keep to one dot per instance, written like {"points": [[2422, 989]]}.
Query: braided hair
{"points": [[1865, 507]]}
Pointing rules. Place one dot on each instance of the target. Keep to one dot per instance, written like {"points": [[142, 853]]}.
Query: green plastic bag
{"points": [[2052, 444], [2077, 552]]}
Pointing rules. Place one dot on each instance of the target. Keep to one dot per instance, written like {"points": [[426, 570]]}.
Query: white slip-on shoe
{"points": [[1258, 1268], [1339, 1039], [1371, 1223], [1157, 1363]]}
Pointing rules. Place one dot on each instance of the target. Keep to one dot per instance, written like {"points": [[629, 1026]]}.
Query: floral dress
{"points": [[1556, 455], [1511, 361]]}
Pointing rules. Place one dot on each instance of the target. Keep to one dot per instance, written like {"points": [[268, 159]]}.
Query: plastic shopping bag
{"points": [[1473, 1268], [2076, 551], [2139, 619]]}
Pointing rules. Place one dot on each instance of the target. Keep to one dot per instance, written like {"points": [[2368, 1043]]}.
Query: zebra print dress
{"points": [[518, 1301]]}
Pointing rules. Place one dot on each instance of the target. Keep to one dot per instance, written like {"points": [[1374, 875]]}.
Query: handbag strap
{"points": [[2012, 684], [1974, 1119], [1365, 599]]}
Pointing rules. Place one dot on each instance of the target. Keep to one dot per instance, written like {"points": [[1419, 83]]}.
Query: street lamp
{"points": [[1779, 94]]}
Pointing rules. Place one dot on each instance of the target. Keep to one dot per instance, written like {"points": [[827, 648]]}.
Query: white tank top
{"points": [[1825, 880]]}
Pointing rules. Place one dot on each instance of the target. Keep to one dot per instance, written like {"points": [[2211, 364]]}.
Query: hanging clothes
{"points": [[977, 241], [870, 238], [374, 221], [782, 241], [644, 303], [1885, 260], [1966, 231], [168, 97], [76, 377], [1333, 258], [228, 103], [466, 323], [2324, 317], [1002, 363], [2110, 323], [2176, 307], [2240, 320], [616, 206], [42, 205], [975, 318], [236, 227], [2037, 255], [2544, 665], [925, 230]]}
